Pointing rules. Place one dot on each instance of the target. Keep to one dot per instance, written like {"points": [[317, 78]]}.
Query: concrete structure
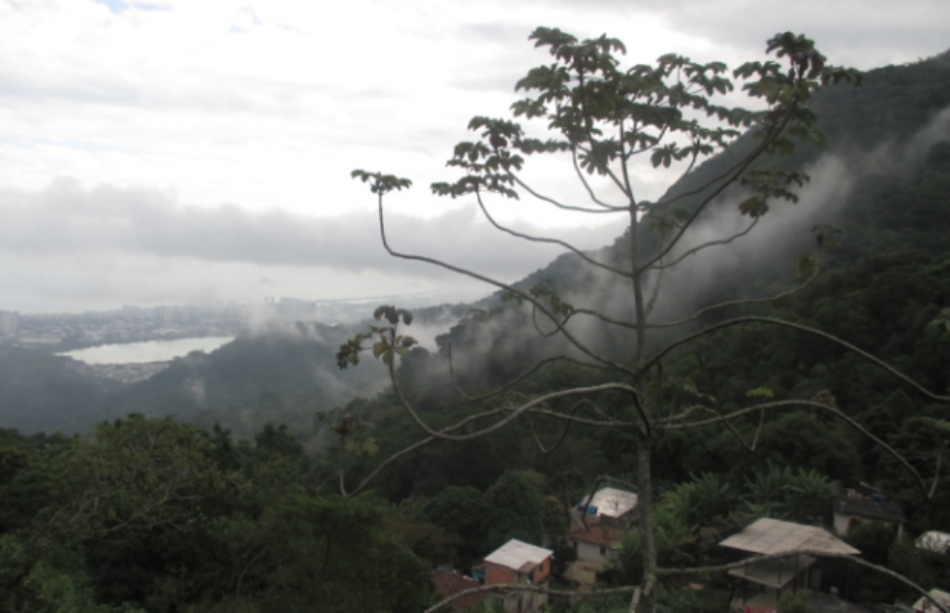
{"points": [[859, 502], [595, 543], [448, 583], [597, 524], [937, 542], [611, 507], [9, 324], [761, 585], [520, 563], [926, 605]]}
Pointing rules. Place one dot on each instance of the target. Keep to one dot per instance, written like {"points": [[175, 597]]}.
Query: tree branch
{"points": [[787, 324], [794, 403], [549, 241], [516, 412], [474, 275], [744, 301], [695, 250], [518, 587]]}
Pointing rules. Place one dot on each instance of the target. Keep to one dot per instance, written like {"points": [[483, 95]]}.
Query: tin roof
{"points": [[611, 502], [515, 554], [767, 536], [885, 510]]}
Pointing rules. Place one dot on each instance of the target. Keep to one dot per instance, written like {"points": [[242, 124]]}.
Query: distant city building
{"points": [[9, 323]]}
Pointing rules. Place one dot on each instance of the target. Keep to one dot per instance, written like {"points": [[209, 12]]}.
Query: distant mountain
{"points": [[883, 178], [40, 392]]}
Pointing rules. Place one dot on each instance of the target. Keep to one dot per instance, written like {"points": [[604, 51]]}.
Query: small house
{"points": [[935, 542], [598, 523], [926, 605], [449, 583], [520, 563], [860, 503], [761, 585]]}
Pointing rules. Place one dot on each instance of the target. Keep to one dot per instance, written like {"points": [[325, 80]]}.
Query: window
{"points": [[603, 551]]}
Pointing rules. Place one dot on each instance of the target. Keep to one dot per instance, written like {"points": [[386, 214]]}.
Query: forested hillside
{"points": [[287, 368], [155, 514]]}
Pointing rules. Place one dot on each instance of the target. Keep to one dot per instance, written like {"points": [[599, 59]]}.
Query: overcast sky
{"points": [[175, 151]]}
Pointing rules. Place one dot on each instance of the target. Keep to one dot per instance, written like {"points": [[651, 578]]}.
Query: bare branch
{"points": [[549, 241], [520, 587], [563, 435], [699, 248], [794, 403], [730, 177], [406, 451], [608, 208], [586, 184], [514, 381], [787, 324], [510, 288], [745, 301], [516, 412], [933, 486]]}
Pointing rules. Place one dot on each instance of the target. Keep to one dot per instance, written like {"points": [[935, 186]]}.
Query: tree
{"points": [[603, 119]]}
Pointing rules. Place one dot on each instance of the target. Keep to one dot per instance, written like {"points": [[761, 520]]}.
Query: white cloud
{"points": [[269, 105]]}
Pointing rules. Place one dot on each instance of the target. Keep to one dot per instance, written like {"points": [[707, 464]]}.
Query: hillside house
{"points": [[926, 605], [606, 515], [449, 583], [760, 586], [517, 562], [859, 503], [935, 542]]}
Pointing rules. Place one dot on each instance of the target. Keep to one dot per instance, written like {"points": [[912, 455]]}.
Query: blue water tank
{"points": [[592, 510], [879, 497]]}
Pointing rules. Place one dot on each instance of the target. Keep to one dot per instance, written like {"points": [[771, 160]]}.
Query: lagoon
{"points": [[149, 351]]}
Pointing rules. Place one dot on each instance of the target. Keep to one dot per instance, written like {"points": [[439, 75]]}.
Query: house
{"points": [[517, 562], [936, 542], [611, 507], [761, 585], [924, 605], [859, 502], [598, 523], [448, 583]]}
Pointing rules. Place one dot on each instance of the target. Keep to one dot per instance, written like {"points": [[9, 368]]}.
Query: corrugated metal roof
{"points": [[767, 536], [611, 502], [515, 554]]}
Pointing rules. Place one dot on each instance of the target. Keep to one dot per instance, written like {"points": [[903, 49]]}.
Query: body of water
{"points": [[149, 351]]}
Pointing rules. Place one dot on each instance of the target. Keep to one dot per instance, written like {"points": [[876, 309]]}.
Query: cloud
{"points": [[67, 218]]}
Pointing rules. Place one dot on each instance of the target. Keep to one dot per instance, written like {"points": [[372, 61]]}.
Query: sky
{"points": [[199, 151]]}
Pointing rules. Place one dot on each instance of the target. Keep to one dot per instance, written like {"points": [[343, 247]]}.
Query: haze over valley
{"points": [[263, 349]]}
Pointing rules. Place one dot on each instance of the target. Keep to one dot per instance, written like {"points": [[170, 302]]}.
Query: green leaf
{"points": [[760, 392]]}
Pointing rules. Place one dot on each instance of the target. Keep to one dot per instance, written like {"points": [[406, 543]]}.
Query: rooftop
{"points": [[611, 502], [449, 583], [768, 536], [515, 554], [886, 510], [938, 542], [925, 606]]}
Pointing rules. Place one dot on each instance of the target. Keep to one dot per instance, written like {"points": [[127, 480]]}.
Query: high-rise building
{"points": [[9, 323]]}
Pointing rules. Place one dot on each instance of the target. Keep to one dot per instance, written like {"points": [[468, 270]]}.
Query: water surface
{"points": [[149, 351]]}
